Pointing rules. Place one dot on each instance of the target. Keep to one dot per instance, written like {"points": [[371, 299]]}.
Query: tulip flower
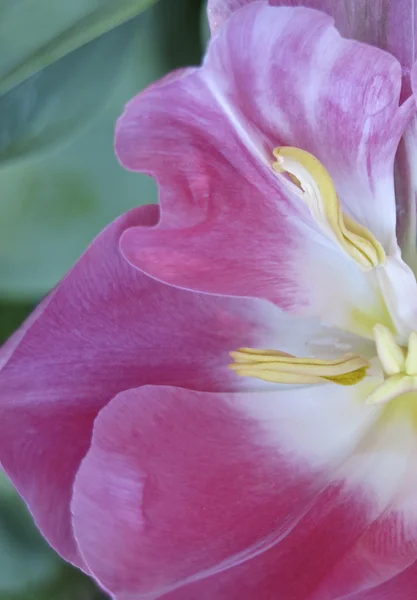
{"points": [[219, 401]]}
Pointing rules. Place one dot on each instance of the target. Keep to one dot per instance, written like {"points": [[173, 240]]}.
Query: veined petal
{"points": [[376, 561], [387, 25], [327, 95], [401, 587], [218, 11], [389, 544], [304, 470], [383, 23], [171, 475], [273, 76], [106, 327]]}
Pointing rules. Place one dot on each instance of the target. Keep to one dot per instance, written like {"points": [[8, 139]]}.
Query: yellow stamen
{"points": [[279, 367], [394, 386], [318, 192], [390, 354], [411, 360], [399, 365]]}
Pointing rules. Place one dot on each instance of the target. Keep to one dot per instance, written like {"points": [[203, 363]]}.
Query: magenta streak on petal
{"points": [[332, 552], [205, 199], [335, 98], [272, 76], [295, 565], [387, 24], [386, 548], [401, 587], [105, 328], [176, 483], [187, 495]]}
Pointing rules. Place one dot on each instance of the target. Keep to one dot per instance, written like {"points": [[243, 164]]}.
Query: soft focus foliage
{"points": [[59, 180], [66, 70], [36, 34]]}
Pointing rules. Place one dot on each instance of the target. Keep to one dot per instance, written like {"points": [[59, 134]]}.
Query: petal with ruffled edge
{"points": [[273, 76], [387, 25], [383, 23], [218, 11], [106, 328], [240, 495]]}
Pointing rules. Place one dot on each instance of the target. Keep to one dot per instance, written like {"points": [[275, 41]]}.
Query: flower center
{"points": [[279, 367], [399, 365], [313, 184], [310, 181]]}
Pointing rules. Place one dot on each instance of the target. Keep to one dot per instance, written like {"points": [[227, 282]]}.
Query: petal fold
{"points": [[406, 186], [272, 77], [383, 23], [105, 328], [320, 482]]}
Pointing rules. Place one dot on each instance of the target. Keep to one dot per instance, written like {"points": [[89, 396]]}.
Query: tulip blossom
{"points": [[219, 401]]}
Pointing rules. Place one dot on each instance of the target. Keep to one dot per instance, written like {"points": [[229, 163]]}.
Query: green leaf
{"points": [[179, 16], [55, 103], [21, 546], [12, 314], [51, 206], [29, 568], [204, 25], [47, 30]]}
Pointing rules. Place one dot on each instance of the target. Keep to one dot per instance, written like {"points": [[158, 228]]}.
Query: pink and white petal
{"points": [[381, 555], [371, 547], [106, 328], [401, 587], [237, 491], [288, 72], [218, 11], [382, 23], [388, 546], [221, 229], [228, 225]]}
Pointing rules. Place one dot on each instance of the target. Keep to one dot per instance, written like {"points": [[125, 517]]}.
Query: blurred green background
{"points": [[66, 70]]}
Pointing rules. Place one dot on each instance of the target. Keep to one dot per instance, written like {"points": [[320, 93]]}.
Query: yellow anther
{"points": [[279, 367], [318, 192], [390, 354], [394, 386], [411, 360], [399, 365]]}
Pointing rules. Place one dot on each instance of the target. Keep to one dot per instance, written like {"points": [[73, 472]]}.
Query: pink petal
{"points": [[106, 328], [389, 544], [387, 24], [401, 587], [406, 186], [218, 11], [237, 496], [272, 76]]}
